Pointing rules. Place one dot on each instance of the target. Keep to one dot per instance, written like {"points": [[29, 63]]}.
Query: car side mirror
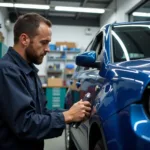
{"points": [[88, 59]]}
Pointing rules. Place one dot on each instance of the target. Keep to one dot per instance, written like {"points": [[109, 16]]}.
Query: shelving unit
{"points": [[60, 59], [57, 74], [54, 71], [67, 51], [54, 57]]}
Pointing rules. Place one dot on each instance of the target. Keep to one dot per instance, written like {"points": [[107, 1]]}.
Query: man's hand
{"points": [[78, 112]]}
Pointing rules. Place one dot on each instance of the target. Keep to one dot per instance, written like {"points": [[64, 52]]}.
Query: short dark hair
{"points": [[28, 24]]}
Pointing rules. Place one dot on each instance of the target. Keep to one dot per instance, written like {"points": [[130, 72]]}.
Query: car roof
{"points": [[130, 23], [123, 23]]}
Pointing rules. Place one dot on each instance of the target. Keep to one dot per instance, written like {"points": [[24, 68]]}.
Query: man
{"points": [[24, 119]]}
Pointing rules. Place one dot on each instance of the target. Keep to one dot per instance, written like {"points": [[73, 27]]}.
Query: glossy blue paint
{"points": [[106, 51], [107, 45], [118, 111], [129, 129], [128, 80], [127, 86], [86, 58]]}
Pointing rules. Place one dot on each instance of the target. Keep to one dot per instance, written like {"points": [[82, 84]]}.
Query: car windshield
{"points": [[130, 42]]}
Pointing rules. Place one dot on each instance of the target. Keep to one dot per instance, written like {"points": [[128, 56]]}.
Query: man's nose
{"points": [[47, 49]]}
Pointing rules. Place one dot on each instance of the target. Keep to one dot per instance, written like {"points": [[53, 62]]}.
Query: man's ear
{"points": [[24, 39]]}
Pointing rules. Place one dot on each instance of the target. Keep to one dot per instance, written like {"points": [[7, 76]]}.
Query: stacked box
{"points": [[55, 82]]}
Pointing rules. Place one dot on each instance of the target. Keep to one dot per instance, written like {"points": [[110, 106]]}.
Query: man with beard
{"points": [[24, 119]]}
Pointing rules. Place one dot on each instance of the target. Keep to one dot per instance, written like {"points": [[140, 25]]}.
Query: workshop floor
{"points": [[55, 143]]}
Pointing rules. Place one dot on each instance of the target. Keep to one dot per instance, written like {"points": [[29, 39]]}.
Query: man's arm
{"points": [[78, 112], [17, 109]]}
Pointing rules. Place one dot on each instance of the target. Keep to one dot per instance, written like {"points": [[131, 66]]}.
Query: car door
{"points": [[87, 80]]}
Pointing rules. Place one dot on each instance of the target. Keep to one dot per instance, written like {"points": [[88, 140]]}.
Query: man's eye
{"points": [[44, 42]]}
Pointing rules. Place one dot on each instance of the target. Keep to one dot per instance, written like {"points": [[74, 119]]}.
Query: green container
{"points": [[55, 97], [3, 49], [76, 96]]}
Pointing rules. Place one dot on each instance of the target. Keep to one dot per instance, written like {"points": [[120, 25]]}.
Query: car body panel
{"points": [[132, 119], [117, 89], [122, 88]]}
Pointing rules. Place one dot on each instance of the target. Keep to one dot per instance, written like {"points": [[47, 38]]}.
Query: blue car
{"points": [[115, 69]]}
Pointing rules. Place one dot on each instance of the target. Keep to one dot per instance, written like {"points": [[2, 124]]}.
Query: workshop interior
{"points": [[99, 52]]}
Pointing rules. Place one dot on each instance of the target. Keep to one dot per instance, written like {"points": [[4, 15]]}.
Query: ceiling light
{"points": [[27, 6], [80, 9], [31, 6], [141, 14], [6, 5]]}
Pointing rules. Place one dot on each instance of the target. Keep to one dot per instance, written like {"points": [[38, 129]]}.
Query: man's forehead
{"points": [[45, 33]]}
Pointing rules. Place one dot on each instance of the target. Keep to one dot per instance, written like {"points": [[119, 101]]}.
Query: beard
{"points": [[32, 57]]}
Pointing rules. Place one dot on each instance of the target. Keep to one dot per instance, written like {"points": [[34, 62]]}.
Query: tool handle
{"points": [[87, 97]]}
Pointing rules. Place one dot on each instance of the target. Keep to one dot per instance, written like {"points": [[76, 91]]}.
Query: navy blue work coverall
{"points": [[24, 119]]}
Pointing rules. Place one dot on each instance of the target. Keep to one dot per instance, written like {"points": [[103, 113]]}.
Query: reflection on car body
{"points": [[115, 69]]}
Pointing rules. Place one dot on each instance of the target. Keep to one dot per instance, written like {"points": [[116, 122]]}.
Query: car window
{"points": [[130, 42], [89, 46], [97, 47]]}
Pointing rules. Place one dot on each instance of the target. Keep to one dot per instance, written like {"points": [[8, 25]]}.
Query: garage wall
{"points": [[3, 17], [117, 11], [64, 33], [71, 34], [76, 34]]}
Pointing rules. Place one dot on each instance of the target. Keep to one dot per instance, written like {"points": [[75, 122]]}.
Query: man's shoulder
{"points": [[5, 63]]}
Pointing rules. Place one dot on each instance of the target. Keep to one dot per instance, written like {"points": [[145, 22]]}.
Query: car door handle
{"points": [[78, 84]]}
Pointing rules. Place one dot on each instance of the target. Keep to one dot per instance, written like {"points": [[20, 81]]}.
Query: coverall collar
{"points": [[21, 62]]}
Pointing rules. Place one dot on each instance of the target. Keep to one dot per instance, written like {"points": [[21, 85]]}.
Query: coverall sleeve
{"points": [[17, 109]]}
